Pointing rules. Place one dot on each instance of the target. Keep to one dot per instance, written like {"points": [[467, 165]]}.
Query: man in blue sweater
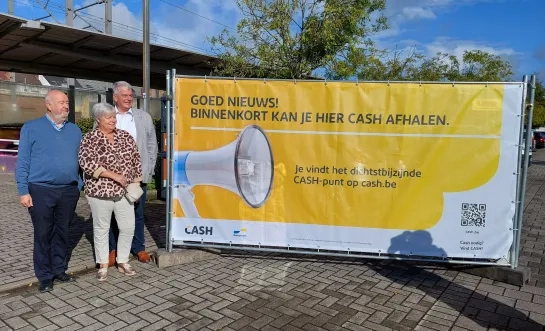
{"points": [[48, 183]]}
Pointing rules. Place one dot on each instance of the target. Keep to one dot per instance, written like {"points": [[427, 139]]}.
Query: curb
{"points": [[77, 270], [164, 259], [31, 281], [160, 257], [519, 276]]}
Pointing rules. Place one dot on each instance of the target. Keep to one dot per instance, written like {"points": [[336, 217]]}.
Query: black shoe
{"points": [[65, 278], [46, 286]]}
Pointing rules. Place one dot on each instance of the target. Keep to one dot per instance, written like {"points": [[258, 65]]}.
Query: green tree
{"points": [[290, 39], [538, 118], [411, 65], [382, 65]]}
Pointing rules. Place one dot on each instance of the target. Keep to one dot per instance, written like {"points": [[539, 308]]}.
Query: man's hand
{"points": [[26, 200]]}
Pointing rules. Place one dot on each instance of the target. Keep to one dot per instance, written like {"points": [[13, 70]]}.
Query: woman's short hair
{"points": [[102, 108]]}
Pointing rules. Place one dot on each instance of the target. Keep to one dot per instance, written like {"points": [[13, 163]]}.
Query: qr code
{"points": [[473, 214]]}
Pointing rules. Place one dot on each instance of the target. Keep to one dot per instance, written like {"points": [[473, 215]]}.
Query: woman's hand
{"points": [[121, 180]]}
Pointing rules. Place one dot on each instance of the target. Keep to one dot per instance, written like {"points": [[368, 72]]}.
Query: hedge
{"points": [[86, 125]]}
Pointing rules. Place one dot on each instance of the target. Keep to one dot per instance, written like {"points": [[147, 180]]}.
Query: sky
{"points": [[513, 29]]}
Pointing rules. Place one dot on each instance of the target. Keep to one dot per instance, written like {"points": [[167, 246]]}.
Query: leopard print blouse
{"points": [[97, 154]]}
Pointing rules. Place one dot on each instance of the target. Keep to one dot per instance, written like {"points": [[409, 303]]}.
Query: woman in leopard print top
{"points": [[110, 161]]}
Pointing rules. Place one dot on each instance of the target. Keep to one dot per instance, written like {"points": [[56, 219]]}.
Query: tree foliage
{"points": [[411, 65], [538, 118], [290, 39]]}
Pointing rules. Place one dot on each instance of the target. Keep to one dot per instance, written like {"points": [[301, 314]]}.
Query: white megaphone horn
{"points": [[244, 167]]}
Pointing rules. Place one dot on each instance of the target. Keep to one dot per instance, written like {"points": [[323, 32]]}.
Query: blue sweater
{"points": [[47, 156]]}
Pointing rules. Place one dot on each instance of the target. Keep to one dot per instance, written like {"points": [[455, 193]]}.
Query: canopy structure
{"points": [[44, 48]]}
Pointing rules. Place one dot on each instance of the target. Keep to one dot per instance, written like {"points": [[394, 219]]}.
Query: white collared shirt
{"points": [[57, 127], [126, 122]]}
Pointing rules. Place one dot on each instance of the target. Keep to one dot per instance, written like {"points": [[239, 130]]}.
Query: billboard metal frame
{"points": [[526, 115]]}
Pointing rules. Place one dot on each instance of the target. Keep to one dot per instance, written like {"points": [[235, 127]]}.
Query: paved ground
{"points": [[267, 292], [16, 236]]}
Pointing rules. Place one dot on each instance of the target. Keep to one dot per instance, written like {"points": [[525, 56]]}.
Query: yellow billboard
{"points": [[373, 155]]}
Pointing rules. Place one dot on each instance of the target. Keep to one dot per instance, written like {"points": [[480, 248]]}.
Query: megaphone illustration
{"points": [[244, 167]]}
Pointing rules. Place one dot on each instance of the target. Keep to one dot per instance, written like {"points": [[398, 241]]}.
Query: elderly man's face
{"points": [[58, 106], [123, 99]]}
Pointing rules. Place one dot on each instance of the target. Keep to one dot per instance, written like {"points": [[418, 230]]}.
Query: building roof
{"points": [[21, 78], [60, 81], [93, 84], [37, 47]]}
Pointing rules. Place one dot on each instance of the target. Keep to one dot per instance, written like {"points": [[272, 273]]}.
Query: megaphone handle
{"points": [[187, 202]]}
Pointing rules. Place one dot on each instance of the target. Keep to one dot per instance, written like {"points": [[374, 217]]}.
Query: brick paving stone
{"points": [[39, 322], [538, 318], [242, 292], [539, 299], [16, 322]]}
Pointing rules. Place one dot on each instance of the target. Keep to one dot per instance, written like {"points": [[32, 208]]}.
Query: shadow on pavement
{"points": [[415, 243], [79, 227], [475, 308], [155, 213], [155, 220]]}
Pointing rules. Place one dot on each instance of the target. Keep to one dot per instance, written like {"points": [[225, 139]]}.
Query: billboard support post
{"points": [[168, 202], [528, 108], [518, 173], [170, 162]]}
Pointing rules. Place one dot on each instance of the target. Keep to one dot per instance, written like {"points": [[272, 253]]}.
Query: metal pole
{"points": [[12, 74], [518, 172], [146, 54], [170, 150], [108, 17], [167, 119], [110, 96], [69, 4], [72, 103], [529, 108]]}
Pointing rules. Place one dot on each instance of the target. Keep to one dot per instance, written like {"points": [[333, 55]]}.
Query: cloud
{"points": [[416, 13], [457, 47], [399, 12], [23, 3], [413, 9], [170, 26]]}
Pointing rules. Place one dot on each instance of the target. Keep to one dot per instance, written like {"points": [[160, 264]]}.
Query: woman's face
{"points": [[107, 122]]}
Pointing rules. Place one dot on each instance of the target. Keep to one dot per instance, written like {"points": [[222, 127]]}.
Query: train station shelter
{"points": [[43, 48]]}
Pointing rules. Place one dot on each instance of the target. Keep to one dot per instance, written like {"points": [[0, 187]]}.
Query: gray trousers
{"points": [[123, 210]]}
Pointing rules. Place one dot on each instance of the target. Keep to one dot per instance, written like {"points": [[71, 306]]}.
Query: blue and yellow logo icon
{"points": [[240, 233]]}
